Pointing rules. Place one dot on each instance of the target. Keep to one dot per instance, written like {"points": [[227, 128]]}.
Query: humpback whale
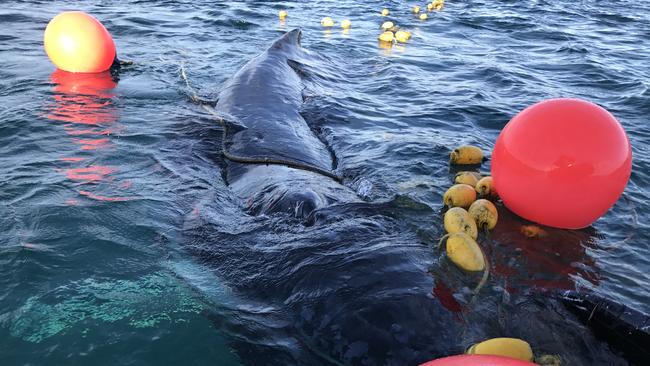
{"points": [[274, 156], [356, 284]]}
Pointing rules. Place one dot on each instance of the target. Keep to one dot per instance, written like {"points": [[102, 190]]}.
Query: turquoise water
{"points": [[121, 244]]}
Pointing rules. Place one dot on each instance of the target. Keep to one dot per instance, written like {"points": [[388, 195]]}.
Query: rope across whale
{"points": [[246, 159]]}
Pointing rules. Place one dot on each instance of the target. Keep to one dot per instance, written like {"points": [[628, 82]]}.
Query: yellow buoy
{"points": [[387, 25], [464, 252], [327, 22], [465, 177], [386, 37], [459, 195], [484, 213], [282, 14], [385, 13], [77, 42], [438, 4], [346, 24], [416, 9], [466, 155], [485, 187], [423, 16], [506, 347], [430, 7], [458, 220], [402, 36]]}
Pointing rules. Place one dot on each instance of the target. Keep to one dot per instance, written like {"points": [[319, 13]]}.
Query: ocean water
{"points": [[121, 244]]}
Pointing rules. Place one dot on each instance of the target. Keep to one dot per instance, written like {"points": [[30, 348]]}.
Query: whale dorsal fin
{"points": [[291, 38]]}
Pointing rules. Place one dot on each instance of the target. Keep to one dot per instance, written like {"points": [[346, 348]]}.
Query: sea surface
{"points": [[121, 244]]}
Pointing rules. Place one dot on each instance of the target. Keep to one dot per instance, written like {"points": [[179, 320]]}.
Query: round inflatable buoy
{"points": [[76, 42], [561, 163], [477, 360]]}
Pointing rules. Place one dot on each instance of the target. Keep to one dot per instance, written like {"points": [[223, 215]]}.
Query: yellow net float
{"points": [[387, 37], [506, 347], [402, 36], [327, 22]]}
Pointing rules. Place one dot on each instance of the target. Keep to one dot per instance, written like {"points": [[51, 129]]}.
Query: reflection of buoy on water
{"points": [[84, 100], [92, 84], [77, 42]]}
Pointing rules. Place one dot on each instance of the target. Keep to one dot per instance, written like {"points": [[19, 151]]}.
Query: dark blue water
{"points": [[120, 242]]}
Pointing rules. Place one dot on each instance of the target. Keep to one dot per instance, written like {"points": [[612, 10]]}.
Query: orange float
{"points": [[77, 42], [477, 360]]}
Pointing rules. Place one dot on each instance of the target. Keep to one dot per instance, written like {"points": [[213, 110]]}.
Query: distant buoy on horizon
{"points": [[77, 42], [387, 25], [387, 37], [327, 22], [402, 36]]}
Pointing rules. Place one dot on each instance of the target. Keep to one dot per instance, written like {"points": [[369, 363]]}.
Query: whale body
{"points": [[351, 282], [261, 103]]}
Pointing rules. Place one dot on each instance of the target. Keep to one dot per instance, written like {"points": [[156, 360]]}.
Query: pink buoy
{"points": [[561, 163], [477, 360]]}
